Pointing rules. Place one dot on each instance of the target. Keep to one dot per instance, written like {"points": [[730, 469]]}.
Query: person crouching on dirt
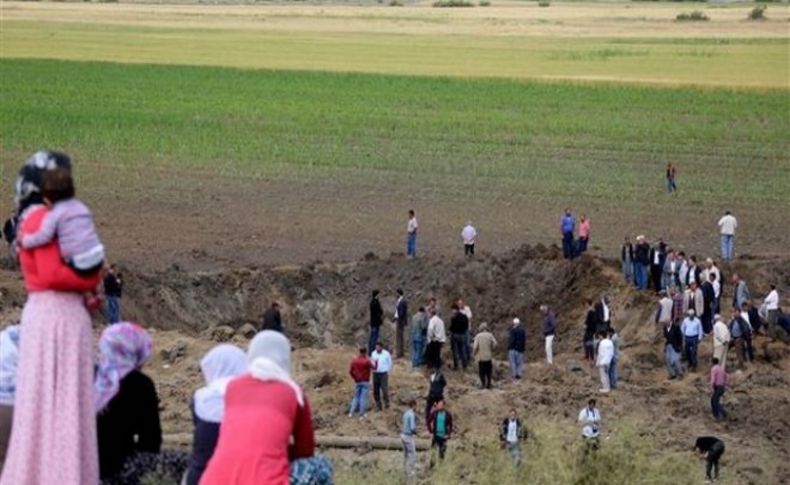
{"points": [[510, 435], [437, 383], [711, 448], [441, 427], [590, 418]]}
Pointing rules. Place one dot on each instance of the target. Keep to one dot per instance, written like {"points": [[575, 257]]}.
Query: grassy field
{"points": [[310, 110], [549, 139], [638, 43]]}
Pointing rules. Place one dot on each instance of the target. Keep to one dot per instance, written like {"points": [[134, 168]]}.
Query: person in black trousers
{"points": [[401, 321], [376, 319], [712, 449]]}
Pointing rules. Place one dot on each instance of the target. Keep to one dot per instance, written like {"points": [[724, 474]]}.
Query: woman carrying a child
{"points": [[53, 438]]}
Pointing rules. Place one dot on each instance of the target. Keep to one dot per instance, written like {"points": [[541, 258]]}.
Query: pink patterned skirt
{"points": [[53, 439]]}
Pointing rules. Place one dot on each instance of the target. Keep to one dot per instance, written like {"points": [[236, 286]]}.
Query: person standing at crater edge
{"points": [[376, 319], [411, 235]]}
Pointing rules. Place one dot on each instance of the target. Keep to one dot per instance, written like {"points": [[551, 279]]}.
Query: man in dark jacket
{"points": [[712, 448], [272, 320], [441, 427], [401, 321], [516, 344], [376, 319], [549, 329], [708, 298], [657, 257], [459, 326], [641, 261], [436, 385], [673, 347], [590, 325], [511, 433]]}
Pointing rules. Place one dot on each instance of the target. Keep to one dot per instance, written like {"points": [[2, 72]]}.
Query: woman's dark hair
{"points": [[57, 185]]}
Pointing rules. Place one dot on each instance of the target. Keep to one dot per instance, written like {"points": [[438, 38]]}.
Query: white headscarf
{"points": [[270, 360], [220, 365]]}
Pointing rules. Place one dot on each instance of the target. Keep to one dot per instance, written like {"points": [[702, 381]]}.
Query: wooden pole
{"points": [[324, 441]]}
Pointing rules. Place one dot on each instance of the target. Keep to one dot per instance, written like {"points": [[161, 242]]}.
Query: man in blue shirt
{"points": [[692, 335], [382, 361], [408, 436], [567, 225]]}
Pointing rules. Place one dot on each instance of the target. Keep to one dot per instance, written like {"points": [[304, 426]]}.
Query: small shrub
{"points": [[452, 3], [484, 3], [395, 3], [695, 16], [544, 3], [757, 13]]}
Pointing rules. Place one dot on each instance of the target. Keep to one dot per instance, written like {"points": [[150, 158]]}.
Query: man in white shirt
{"points": [[692, 336], [721, 340], [727, 226], [590, 418], [436, 338], [469, 236], [605, 355], [411, 235], [771, 304], [382, 361]]}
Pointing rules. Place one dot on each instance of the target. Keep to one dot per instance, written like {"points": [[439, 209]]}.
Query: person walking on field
{"points": [[605, 355], [360, 370], [516, 344], [567, 226], [376, 319], [511, 434], [382, 362], [483, 351], [411, 235], [727, 226], [692, 336], [401, 320], [436, 339], [469, 237], [671, 173], [711, 449], [721, 340], [440, 425], [718, 384], [549, 329], [673, 346], [408, 439], [419, 331], [584, 234]]}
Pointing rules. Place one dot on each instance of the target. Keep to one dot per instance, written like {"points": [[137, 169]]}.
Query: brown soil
{"points": [[325, 310]]}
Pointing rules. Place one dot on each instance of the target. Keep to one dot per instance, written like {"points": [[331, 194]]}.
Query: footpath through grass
{"points": [[550, 139]]}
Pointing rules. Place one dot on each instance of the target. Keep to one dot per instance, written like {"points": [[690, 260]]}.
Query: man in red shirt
{"points": [[360, 370]]}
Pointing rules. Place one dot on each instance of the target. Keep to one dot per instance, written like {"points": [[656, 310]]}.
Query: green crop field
{"points": [[515, 107], [536, 137]]}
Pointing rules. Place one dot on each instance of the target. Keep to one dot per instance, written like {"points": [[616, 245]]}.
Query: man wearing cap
{"points": [[692, 335], [721, 340], [516, 344], [483, 351], [727, 226]]}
